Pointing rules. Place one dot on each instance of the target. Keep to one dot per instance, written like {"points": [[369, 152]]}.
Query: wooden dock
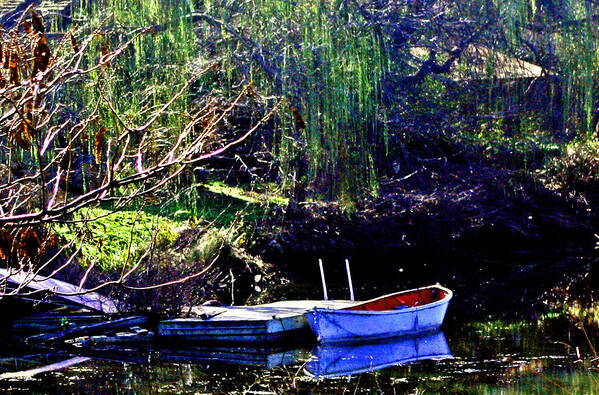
{"points": [[29, 374], [264, 323]]}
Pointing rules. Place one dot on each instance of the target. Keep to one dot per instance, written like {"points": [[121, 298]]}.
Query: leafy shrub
{"points": [[212, 243], [577, 168]]}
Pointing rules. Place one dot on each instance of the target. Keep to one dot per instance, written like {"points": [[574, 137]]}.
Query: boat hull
{"points": [[334, 325]]}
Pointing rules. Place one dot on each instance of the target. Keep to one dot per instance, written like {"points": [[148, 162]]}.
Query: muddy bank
{"points": [[506, 244]]}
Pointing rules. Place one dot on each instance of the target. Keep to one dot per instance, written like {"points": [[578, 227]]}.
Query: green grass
{"points": [[114, 240], [263, 196], [497, 327], [577, 168], [576, 313], [218, 203]]}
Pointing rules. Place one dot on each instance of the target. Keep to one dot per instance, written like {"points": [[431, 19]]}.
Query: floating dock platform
{"points": [[266, 323]]}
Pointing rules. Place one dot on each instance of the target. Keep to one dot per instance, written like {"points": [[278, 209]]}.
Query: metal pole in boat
{"points": [[351, 286], [324, 283]]}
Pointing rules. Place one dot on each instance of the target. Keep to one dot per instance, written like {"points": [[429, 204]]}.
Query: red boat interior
{"points": [[403, 300]]}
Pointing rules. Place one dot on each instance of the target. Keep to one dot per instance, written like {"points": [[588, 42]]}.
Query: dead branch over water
{"points": [[58, 160]]}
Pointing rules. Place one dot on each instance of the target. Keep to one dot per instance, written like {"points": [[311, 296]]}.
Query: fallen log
{"points": [[27, 374], [134, 335], [88, 330]]}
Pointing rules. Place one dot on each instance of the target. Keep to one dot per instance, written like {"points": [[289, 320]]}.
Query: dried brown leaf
{"points": [[51, 240], [27, 130], [29, 243], [299, 121], [6, 243], [13, 68], [105, 53], [74, 43], [41, 55], [27, 123], [37, 23], [27, 27], [5, 56], [99, 144]]}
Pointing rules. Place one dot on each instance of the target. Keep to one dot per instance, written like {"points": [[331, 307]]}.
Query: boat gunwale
{"points": [[446, 299]]}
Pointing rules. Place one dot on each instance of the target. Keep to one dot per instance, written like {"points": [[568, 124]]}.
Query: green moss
{"points": [[218, 204], [585, 315], [212, 243], [497, 327]]}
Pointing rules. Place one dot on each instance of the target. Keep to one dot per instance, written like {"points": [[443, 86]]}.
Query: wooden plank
{"points": [[55, 322], [215, 337], [282, 324], [81, 297], [88, 330], [124, 353], [285, 308], [25, 362]]}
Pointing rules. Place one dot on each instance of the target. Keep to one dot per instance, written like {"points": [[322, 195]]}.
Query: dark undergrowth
{"points": [[492, 224]]}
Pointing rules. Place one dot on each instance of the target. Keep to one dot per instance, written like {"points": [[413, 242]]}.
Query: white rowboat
{"points": [[398, 314]]}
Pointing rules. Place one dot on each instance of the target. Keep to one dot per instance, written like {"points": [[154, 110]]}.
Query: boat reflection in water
{"points": [[333, 360], [326, 360]]}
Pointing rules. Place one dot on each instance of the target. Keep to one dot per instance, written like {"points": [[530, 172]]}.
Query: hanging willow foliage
{"points": [[562, 36], [325, 60], [345, 64]]}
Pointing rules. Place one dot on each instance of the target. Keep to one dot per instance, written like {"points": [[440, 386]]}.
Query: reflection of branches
{"points": [[45, 150]]}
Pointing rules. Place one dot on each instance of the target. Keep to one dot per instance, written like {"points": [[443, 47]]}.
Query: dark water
{"points": [[490, 358]]}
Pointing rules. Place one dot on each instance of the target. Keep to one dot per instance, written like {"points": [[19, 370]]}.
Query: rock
{"points": [[275, 246]]}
